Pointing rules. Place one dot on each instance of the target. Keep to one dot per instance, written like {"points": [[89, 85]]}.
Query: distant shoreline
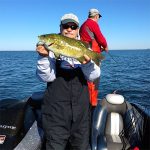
{"points": [[109, 50]]}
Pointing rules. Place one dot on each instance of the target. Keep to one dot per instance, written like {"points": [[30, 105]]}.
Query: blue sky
{"points": [[124, 23]]}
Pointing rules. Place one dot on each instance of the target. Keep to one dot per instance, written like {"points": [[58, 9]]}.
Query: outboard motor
{"points": [[108, 124], [20, 123], [12, 114]]}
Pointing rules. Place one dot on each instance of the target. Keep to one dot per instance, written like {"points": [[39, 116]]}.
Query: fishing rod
{"points": [[116, 78], [109, 55], [112, 57]]}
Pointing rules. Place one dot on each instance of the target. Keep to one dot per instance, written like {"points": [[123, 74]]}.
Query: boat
{"points": [[116, 124]]}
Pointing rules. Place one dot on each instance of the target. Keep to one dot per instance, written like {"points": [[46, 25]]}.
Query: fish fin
{"points": [[97, 62], [81, 59], [57, 55], [98, 58]]}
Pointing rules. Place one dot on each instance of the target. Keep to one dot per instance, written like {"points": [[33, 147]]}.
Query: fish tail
{"points": [[97, 61], [98, 57]]}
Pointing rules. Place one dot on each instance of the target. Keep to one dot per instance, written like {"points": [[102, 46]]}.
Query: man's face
{"points": [[69, 29]]}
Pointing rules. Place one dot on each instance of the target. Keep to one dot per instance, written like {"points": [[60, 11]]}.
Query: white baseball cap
{"points": [[93, 12], [69, 18]]}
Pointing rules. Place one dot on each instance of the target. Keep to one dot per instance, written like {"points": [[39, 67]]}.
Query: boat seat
{"points": [[108, 123], [114, 125]]}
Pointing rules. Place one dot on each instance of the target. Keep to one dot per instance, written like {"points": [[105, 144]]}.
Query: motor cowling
{"points": [[12, 114]]}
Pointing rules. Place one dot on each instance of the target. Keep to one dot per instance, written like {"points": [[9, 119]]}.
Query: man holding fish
{"points": [[66, 64]]}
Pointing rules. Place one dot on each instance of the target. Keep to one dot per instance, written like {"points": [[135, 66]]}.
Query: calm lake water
{"points": [[127, 71]]}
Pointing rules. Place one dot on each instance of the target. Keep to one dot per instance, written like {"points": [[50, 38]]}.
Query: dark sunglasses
{"points": [[66, 26]]}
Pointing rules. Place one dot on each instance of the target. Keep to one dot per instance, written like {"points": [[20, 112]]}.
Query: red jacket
{"points": [[89, 31]]}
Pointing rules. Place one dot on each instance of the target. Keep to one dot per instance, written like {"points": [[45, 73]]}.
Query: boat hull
{"points": [[21, 127]]}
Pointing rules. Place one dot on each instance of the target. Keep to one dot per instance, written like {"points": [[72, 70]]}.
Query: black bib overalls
{"points": [[66, 111]]}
